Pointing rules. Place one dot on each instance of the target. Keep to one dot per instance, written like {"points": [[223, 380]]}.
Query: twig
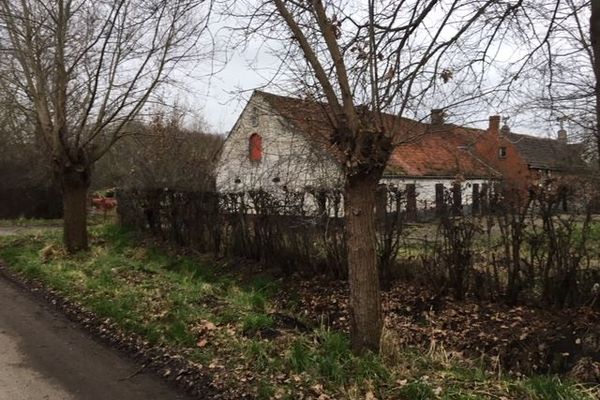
{"points": [[134, 373]]}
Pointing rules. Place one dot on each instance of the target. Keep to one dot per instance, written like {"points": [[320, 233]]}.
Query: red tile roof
{"points": [[421, 150], [445, 152]]}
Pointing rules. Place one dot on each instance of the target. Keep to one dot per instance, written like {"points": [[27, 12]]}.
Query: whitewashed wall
{"points": [[425, 188], [288, 159]]}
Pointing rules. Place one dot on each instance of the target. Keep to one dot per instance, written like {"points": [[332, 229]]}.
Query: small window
{"points": [[502, 152], [255, 145]]}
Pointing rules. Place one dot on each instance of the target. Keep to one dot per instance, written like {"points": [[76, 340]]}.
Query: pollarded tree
{"points": [[373, 62], [80, 70]]}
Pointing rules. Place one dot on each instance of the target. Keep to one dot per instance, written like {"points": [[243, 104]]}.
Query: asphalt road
{"points": [[44, 356]]}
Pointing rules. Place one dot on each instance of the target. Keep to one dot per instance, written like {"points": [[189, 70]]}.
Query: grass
{"points": [[220, 319], [28, 222], [93, 219]]}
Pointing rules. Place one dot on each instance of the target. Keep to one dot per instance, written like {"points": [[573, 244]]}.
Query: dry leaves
{"points": [[518, 340]]}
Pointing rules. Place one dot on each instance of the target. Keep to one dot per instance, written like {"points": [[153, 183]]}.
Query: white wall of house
{"points": [[288, 159], [425, 188]]}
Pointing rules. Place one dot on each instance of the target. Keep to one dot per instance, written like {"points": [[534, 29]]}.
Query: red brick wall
{"points": [[515, 172]]}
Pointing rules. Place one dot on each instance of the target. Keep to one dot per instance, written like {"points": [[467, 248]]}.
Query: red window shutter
{"points": [[255, 147]]}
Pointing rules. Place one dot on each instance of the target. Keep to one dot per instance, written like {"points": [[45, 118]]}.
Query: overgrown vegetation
{"points": [[162, 152], [526, 251], [227, 320]]}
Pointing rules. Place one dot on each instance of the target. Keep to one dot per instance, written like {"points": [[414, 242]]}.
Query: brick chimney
{"points": [[562, 136], [562, 133], [494, 126], [437, 116], [505, 130]]}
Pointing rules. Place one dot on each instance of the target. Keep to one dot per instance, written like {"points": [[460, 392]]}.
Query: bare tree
{"points": [[80, 70], [595, 58], [162, 153], [372, 63], [558, 74]]}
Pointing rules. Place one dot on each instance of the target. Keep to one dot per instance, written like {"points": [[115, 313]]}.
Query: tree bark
{"points": [[74, 184], [365, 302]]}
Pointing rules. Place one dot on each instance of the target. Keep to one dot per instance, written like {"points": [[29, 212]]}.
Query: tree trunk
{"points": [[595, 39], [365, 302], [74, 184]]}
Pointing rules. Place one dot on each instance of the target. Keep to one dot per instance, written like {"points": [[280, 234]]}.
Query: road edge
{"points": [[168, 365]]}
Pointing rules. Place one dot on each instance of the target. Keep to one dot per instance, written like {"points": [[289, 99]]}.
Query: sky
{"points": [[218, 93], [221, 98]]}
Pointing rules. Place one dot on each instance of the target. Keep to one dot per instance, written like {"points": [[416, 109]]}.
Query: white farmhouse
{"points": [[282, 144]]}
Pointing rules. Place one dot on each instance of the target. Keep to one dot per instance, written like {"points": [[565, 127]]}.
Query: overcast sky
{"points": [[219, 92], [221, 97]]}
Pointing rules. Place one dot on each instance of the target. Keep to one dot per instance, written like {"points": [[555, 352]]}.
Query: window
{"points": [[502, 152], [255, 145]]}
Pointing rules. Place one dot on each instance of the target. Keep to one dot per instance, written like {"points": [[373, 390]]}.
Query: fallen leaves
{"points": [[370, 396], [518, 339], [204, 329], [50, 252]]}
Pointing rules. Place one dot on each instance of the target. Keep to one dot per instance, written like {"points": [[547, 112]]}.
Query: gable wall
{"points": [[513, 168], [286, 155]]}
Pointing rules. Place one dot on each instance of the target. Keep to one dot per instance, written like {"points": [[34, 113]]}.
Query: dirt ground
{"points": [[43, 355]]}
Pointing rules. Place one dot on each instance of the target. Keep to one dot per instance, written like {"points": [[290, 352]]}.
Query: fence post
{"points": [[381, 202], [411, 202], [439, 199], [484, 198], [456, 199], [475, 206]]}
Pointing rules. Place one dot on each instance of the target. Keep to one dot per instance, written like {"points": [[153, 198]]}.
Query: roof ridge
{"points": [[326, 104]]}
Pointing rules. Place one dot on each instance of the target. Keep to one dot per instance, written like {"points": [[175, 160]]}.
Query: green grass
{"points": [[212, 317], [417, 390], [551, 388]]}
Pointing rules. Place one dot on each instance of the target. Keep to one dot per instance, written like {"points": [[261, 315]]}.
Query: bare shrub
{"points": [[161, 153], [391, 233], [526, 250], [562, 247]]}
